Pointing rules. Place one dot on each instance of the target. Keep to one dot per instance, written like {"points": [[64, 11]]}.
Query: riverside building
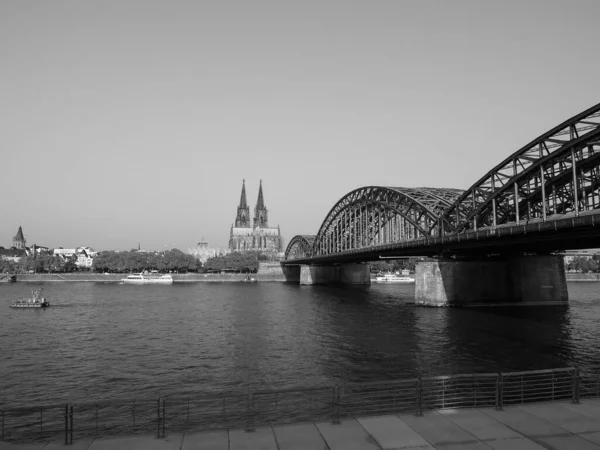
{"points": [[202, 252], [256, 236]]}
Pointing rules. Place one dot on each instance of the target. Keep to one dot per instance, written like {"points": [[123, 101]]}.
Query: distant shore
{"points": [[198, 277], [83, 277]]}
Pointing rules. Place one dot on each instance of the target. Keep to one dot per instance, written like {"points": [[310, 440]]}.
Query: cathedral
{"points": [[256, 236]]}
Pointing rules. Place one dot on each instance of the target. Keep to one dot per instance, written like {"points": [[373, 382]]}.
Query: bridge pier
{"points": [[534, 280], [291, 273], [357, 274]]}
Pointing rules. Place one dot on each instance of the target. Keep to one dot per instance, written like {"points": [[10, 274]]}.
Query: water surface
{"points": [[107, 341]]}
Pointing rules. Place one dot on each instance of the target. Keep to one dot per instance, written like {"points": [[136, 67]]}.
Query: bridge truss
{"points": [[376, 215], [300, 247], [556, 174]]}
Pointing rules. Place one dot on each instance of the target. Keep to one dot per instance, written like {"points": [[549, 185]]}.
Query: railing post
{"points": [[41, 420], [97, 414], [336, 405], [66, 424], [250, 413], [499, 392], [443, 394], [419, 397], [576, 385], [2, 432], [133, 416], [164, 417], [71, 425], [158, 418]]}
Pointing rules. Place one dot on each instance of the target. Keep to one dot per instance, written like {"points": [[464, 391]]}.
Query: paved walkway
{"points": [[561, 426]]}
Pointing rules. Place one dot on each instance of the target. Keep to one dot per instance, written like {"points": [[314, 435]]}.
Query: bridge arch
{"points": [[378, 215], [557, 173], [300, 247]]}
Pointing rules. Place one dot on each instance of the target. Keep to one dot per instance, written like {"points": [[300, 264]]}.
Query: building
{"points": [[203, 252], [19, 240], [256, 236], [12, 254], [84, 255]]}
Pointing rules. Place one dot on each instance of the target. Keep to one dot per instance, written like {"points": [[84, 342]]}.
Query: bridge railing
{"points": [[249, 410]]}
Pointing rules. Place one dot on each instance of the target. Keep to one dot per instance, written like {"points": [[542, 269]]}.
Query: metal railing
{"points": [[252, 409]]}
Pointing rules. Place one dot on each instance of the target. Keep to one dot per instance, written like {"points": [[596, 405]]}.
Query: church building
{"points": [[19, 240], [256, 236]]}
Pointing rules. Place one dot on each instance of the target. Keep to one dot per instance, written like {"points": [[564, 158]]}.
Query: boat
{"points": [[395, 278], [248, 279], [148, 278], [34, 302]]}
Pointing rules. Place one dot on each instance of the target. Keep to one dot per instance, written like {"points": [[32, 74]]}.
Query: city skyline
{"points": [[135, 121]]}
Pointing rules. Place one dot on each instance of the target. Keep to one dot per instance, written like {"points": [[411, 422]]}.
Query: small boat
{"points": [[248, 280], [394, 278], [148, 278], [34, 302]]}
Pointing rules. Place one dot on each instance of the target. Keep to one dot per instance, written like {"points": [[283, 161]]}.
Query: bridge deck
{"points": [[559, 233], [531, 426]]}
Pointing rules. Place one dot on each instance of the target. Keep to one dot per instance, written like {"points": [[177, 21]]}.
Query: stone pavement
{"points": [[560, 426]]}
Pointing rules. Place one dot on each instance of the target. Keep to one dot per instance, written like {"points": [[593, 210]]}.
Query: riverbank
{"points": [[199, 277], [83, 277], [583, 276]]}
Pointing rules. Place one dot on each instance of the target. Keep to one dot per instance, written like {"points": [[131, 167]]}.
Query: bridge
{"points": [[496, 241]]}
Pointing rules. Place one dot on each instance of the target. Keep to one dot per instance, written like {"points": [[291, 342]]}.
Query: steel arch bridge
{"points": [[550, 184]]}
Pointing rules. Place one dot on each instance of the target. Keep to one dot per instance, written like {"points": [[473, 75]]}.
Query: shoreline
{"points": [[115, 278], [202, 278]]}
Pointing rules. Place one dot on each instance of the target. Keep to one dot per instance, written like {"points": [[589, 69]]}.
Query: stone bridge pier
{"points": [[356, 274], [516, 279]]}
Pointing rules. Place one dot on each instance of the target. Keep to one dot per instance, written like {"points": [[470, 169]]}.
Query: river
{"points": [[110, 341]]}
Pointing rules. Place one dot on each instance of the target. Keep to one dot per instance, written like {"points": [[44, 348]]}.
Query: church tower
{"points": [[260, 211], [19, 240], [242, 219]]}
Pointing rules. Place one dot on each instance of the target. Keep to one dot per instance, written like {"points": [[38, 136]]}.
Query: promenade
{"points": [[560, 426]]}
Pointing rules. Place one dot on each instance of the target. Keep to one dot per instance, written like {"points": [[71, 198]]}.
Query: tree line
{"points": [[395, 265], [176, 261], [246, 262], [583, 264], [173, 260], [44, 262]]}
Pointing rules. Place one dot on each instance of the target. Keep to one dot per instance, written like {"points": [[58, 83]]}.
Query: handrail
{"points": [[170, 413]]}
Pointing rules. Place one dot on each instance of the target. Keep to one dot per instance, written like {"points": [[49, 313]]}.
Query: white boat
{"points": [[34, 302], [148, 278], [394, 278]]}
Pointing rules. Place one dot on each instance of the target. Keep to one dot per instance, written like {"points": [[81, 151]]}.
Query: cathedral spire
{"points": [[243, 202], [261, 202], [260, 211], [242, 220]]}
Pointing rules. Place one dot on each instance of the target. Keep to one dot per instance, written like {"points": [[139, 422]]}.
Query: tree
{"points": [[70, 264], [246, 262], [583, 264]]}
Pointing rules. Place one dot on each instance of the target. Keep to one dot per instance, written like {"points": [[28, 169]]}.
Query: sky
{"points": [[135, 121]]}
